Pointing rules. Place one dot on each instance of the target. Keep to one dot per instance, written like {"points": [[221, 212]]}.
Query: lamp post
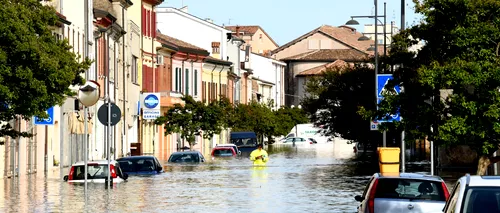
{"points": [[364, 38]]}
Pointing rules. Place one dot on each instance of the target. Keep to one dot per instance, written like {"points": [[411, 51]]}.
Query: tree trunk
{"points": [[484, 162]]}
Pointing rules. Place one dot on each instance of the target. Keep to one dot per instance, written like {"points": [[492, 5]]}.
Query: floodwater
{"points": [[321, 178]]}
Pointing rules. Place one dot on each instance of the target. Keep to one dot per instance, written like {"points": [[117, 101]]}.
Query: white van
{"points": [[306, 131]]}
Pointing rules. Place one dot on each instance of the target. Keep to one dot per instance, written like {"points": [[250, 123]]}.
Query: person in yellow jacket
{"points": [[259, 156]]}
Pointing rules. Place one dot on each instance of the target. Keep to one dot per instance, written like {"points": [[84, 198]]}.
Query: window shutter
{"points": [[187, 82], [195, 86], [154, 24]]}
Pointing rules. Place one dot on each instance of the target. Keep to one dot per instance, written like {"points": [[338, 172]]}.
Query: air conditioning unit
{"points": [[159, 60]]}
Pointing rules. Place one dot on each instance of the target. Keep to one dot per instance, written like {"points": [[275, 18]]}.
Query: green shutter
{"points": [[187, 81], [176, 79], [195, 86]]}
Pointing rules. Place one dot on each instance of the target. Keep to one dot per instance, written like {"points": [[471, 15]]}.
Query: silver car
{"points": [[406, 192], [473, 194]]}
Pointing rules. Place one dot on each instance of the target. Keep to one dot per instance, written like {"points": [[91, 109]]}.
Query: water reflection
{"points": [[316, 179]]}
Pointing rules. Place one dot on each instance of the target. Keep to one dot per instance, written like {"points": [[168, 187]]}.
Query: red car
{"points": [[221, 151]]}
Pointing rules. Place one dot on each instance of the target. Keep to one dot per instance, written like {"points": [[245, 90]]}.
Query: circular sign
{"points": [[151, 101], [102, 114]]}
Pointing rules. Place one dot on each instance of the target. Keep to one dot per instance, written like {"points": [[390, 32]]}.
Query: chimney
{"points": [[184, 9], [238, 31]]}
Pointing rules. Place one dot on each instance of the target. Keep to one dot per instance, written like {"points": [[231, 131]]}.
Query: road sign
{"points": [[46, 121], [374, 125], [102, 114], [151, 103], [383, 80]]}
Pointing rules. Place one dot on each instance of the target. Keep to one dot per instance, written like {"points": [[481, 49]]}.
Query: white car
{"points": [[299, 141], [475, 194], [97, 172], [231, 145]]}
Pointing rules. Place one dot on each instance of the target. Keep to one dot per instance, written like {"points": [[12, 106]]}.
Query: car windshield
{"points": [[245, 142], [184, 158], [96, 171], [223, 152], [137, 164], [414, 189], [482, 199]]}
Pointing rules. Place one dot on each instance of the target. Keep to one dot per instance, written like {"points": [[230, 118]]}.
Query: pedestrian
{"points": [[259, 156]]}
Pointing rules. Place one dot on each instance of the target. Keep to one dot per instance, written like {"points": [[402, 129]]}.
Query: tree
{"points": [[461, 55], [335, 98], [36, 70], [192, 119], [286, 118]]}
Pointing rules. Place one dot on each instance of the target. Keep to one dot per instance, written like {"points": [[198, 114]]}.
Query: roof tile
{"points": [[177, 42], [350, 55], [321, 69]]}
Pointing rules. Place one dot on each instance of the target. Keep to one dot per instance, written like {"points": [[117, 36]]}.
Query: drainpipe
{"points": [[115, 84], [124, 88], [238, 83]]}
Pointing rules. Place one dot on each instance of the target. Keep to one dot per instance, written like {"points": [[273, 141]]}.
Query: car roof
{"points": [[476, 180], [187, 152], [223, 147], [226, 144], [81, 163], [417, 176], [136, 157]]}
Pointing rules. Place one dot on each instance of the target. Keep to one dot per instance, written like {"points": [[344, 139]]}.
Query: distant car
{"points": [[475, 194], [140, 165], [403, 193], [186, 157], [221, 151], [364, 149], [230, 145], [97, 172], [299, 141]]}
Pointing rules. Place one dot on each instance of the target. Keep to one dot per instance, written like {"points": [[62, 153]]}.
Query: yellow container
{"points": [[388, 160]]}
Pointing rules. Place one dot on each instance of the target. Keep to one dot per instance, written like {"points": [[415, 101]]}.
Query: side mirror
{"points": [[358, 198], [125, 176], [65, 178]]}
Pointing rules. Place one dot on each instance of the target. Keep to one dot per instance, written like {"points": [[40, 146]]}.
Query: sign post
{"points": [[382, 81], [46, 121], [151, 103]]}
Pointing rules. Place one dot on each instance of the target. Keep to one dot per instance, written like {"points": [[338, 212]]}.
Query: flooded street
{"points": [[317, 179]]}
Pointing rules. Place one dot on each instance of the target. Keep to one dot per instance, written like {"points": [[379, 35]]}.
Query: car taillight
{"points": [[113, 171], [354, 148], [71, 171], [445, 190], [371, 199], [311, 142]]}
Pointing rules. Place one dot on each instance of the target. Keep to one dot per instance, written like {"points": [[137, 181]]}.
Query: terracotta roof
{"points": [[246, 29], [344, 34], [210, 59], [251, 29], [350, 55], [177, 42], [321, 69]]}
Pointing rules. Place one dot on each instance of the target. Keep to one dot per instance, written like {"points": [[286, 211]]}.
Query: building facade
{"points": [[256, 37]]}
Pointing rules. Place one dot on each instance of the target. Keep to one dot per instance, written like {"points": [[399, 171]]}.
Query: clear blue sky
{"points": [[285, 21]]}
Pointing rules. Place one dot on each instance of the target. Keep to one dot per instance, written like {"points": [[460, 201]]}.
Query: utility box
{"points": [[388, 160]]}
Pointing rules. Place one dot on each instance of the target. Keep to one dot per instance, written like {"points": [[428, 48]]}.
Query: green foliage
{"points": [[335, 99], [462, 37], [195, 118], [36, 70]]}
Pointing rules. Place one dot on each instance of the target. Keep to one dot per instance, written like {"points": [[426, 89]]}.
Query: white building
{"points": [[269, 74], [390, 30]]}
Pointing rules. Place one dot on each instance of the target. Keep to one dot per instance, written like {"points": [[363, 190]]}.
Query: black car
{"points": [[140, 165]]}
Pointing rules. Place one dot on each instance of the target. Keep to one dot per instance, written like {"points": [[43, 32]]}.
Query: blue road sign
{"points": [[46, 121], [151, 101], [383, 80]]}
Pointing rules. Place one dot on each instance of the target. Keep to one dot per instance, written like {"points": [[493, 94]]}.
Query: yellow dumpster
{"points": [[388, 160]]}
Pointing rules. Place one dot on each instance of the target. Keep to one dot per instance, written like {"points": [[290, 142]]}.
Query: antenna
{"points": [[182, 3], [229, 22], [393, 14]]}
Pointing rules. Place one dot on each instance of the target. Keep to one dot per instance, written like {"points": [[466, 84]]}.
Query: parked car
{"points": [[361, 149], [97, 172], [475, 194], [230, 145], [186, 157], [299, 141], [140, 165], [223, 151], [246, 141], [406, 192]]}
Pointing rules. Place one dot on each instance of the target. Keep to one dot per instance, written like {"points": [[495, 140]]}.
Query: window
{"points": [[133, 70], [177, 75], [187, 82], [414, 189], [482, 199], [195, 83]]}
